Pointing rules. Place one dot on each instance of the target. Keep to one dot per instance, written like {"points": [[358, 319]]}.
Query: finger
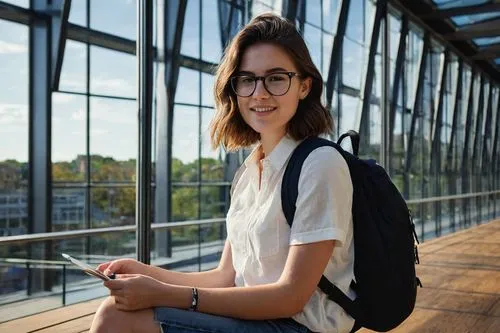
{"points": [[116, 292], [103, 266], [126, 276], [113, 267], [114, 284]]}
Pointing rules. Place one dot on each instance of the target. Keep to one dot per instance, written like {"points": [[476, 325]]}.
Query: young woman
{"points": [[267, 94]]}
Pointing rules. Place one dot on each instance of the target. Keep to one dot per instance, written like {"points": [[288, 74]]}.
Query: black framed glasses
{"points": [[277, 84]]}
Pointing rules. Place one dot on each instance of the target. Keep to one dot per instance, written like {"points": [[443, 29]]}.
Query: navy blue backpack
{"points": [[384, 239]]}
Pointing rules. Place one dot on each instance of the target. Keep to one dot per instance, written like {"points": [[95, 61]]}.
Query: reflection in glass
{"points": [[112, 206], [112, 73], [113, 139], [69, 118]]}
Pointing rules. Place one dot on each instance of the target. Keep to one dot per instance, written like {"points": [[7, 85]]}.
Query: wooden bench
{"points": [[460, 274]]}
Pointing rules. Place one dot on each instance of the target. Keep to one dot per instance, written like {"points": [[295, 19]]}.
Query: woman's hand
{"points": [[135, 291], [124, 266]]}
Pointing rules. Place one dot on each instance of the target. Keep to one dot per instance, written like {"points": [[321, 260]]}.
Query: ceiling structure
{"points": [[472, 27]]}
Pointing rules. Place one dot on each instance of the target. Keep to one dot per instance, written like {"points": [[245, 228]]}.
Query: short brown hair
{"points": [[311, 119]]}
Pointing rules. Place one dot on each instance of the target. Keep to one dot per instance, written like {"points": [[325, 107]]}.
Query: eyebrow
{"points": [[272, 70]]}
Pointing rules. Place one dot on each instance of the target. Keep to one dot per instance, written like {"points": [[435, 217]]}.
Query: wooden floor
{"points": [[461, 294]]}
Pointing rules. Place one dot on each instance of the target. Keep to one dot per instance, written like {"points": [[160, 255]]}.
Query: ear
{"points": [[305, 87]]}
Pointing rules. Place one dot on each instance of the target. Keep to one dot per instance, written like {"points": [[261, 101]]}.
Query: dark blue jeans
{"points": [[182, 321]]}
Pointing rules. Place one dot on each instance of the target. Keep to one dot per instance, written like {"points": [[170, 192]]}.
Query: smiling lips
{"points": [[263, 109]]}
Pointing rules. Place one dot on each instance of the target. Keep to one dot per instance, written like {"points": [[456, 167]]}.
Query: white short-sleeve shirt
{"points": [[260, 236]]}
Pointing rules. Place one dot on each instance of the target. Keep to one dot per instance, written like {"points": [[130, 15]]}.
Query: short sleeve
{"points": [[324, 199]]}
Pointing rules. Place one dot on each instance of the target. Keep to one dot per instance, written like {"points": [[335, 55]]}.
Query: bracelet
{"points": [[194, 300]]}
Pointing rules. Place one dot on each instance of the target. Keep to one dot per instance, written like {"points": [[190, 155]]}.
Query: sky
{"points": [[113, 122]]}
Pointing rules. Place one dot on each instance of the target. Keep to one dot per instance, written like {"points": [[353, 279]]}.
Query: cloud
{"points": [[62, 98], [12, 48], [13, 114]]}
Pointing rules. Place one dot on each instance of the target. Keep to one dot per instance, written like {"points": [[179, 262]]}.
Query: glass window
{"points": [[207, 92], [74, 68], [352, 63], [350, 107], [20, 3], [69, 148], [213, 205], [485, 41], [68, 209], [112, 206], [212, 166], [113, 139], [185, 204], [211, 49], [476, 18], [313, 12], [14, 127], [356, 21], [190, 45], [330, 15], [445, 4], [116, 17], [188, 86], [78, 12], [185, 144], [312, 37], [112, 73], [327, 55]]}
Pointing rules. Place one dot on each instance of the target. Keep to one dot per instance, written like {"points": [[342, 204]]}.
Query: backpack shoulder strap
{"points": [[290, 184], [289, 193]]}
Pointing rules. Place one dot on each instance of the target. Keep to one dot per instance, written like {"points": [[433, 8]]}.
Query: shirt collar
{"points": [[278, 156]]}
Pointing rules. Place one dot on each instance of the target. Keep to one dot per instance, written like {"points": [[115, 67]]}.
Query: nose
{"points": [[260, 90]]}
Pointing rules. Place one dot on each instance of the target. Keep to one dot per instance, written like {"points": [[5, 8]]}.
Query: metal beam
{"points": [[466, 10], [488, 28], [336, 57], [486, 145], [417, 103], [479, 121], [488, 52], [60, 13], [398, 71], [363, 114], [457, 106], [468, 127], [495, 151], [145, 103], [40, 168], [170, 23]]}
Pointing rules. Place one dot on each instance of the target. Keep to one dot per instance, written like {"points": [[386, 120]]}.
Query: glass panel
{"points": [[330, 15], [207, 93], [185, 203], [213, 202], [74, 68], [190, 45], [352, 63], [211, 44], [188, 86], [356, 21], [445, 4], [485, 41], [20, 3], [78, 12], [264, 6], [112, 73], [497, 61], [313, 12], [327, 55], [68, 210], [121, 23], [69, 148], [212, 164], [113, 139], [112, 206], [312, 37], [14, 132], [350, 107], [185, 144], [471, 19]]}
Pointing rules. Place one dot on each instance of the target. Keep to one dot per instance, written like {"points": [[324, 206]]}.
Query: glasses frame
{"points": [[263, 79]]}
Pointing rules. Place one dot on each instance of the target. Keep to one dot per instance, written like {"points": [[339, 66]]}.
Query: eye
{"points": [[246, 79], [276, 77]]}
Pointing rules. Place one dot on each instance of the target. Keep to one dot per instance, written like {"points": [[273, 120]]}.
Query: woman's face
{"points": [[265, 113]]}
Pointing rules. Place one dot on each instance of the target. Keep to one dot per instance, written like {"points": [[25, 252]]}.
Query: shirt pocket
{"points": [[265, 238]]}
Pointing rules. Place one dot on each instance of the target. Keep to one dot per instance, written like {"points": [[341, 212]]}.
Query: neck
{"points": [[269, 141]]}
